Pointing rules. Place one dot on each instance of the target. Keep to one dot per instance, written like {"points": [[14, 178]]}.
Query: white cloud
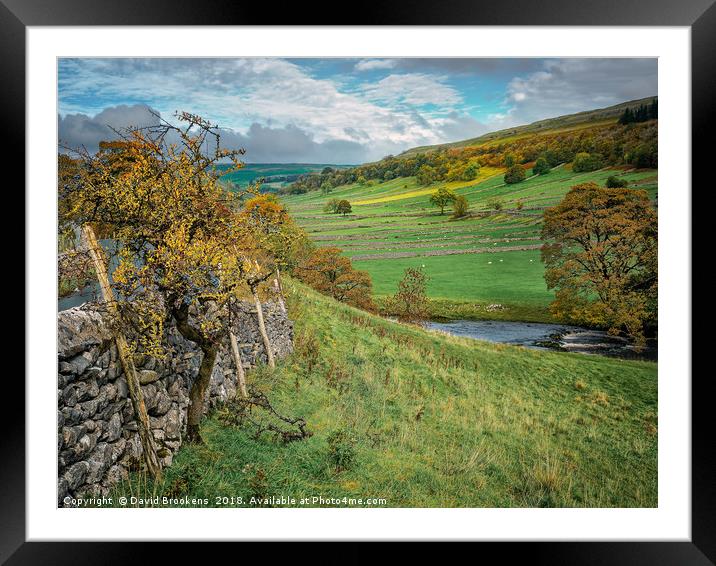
{"points": [[565, 86], [240, 94], [415, 89], [267, 101], [373, 64]]}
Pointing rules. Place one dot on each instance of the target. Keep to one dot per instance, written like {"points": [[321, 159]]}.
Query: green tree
{"points": [[541, 167], [584, 162], [515, 174], [600, 256], [471, 172], [442, 198], [343, 207]]}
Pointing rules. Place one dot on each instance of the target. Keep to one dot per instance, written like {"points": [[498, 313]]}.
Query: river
{"points": [[543, 336]]}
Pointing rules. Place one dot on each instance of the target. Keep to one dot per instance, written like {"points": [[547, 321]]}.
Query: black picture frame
{"points": [[699, 15]]}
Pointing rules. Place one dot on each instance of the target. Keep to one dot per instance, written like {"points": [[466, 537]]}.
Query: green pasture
{"points": [[398, 222]]}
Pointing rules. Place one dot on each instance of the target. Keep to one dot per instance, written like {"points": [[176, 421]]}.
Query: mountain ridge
{"points": [[547, 125]]}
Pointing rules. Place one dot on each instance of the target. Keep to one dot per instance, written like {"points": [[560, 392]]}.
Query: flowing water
{"points": [[546, 336]]}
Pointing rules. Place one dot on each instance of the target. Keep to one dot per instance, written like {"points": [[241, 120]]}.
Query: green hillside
{"points": [[489, 257], [587, 119], [421, 419]]}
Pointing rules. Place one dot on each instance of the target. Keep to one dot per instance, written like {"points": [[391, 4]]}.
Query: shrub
{"points": [[515, 174], [341, 449], [614, 182], [495, 203]]}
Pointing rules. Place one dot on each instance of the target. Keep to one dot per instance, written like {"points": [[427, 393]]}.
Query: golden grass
{"points": [[485, 173]]}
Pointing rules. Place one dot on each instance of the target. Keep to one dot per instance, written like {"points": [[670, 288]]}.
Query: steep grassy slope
{"points": [[431, 421]]}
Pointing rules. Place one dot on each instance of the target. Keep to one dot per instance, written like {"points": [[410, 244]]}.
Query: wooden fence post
{"points": [[130, 372]]}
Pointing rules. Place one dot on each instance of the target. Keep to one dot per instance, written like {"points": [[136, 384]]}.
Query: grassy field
{"points": [[490, 257], [427, 420]]}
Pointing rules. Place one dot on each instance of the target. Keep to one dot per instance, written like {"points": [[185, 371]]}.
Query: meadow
{"points": [[420, 419], [489, 257]]}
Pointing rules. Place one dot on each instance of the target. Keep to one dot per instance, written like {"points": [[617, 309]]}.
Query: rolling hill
{"points": [[586, 119], [491, 256]]}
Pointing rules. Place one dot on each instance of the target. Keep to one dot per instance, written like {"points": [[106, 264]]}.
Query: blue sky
{"points": [[337, 110]]}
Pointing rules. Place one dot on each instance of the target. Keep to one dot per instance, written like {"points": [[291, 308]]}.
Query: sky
{"points": [[337, 110]]}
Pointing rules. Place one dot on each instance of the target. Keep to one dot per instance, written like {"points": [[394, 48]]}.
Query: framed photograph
{"points": [[425, 275]]}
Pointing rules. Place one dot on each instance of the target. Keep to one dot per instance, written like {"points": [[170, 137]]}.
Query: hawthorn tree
{"points": [[600, 254], [442, 198], [184, 254]]}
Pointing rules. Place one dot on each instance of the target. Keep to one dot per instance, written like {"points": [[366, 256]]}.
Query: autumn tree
{"points": [[184, 254], [460, 207], [515, 174], [331, 206], [442, 198], [331, 273], [600, 254], [410, 303], [343, 207], [279, 242], [426, 175]]}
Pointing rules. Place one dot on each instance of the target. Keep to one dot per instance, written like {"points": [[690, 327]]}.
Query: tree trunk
{"points": [[197, 395], [239, 364], [125, 357], [262, 327], [203, 378]]}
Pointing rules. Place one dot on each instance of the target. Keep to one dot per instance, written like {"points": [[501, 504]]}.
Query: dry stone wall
{"points": [[97, 438]]}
